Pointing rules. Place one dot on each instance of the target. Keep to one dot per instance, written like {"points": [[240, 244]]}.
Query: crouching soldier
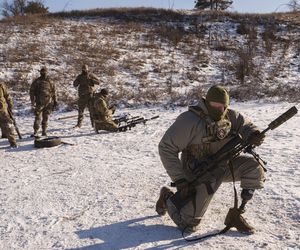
{"points": [[102, 114], [6, 123], [43, 101], [200, 132]]}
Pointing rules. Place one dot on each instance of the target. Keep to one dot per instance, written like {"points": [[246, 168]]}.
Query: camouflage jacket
{"points": [[86, 84], [100, 109], [42, 91], [5, 99], [194, 134]]}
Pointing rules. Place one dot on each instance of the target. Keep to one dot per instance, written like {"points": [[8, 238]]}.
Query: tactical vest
{"points": [[217, 135], [43, 92], [86, 86]]}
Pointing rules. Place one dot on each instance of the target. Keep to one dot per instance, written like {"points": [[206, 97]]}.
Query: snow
{"points": [[101, 192]]}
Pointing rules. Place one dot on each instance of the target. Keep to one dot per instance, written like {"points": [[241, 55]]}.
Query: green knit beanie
{"points": [[218, 94]]}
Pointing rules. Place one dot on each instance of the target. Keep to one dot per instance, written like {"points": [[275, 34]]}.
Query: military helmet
{"points": [[85, 67], [43, 69], [218, 94]]}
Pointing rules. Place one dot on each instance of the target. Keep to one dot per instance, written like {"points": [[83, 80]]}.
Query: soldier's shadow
{"points": [[132, 234]]}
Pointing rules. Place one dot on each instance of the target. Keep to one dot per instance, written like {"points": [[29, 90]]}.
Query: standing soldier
{"points": [[6, 123], [86, 87], [43, 101], [102, 113]]}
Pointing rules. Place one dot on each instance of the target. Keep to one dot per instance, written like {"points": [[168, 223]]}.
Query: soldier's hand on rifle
{"points": [[183, 187], [256, 138]]}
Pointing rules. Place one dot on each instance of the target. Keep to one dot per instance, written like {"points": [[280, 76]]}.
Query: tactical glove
{"points": [[256, 138]]}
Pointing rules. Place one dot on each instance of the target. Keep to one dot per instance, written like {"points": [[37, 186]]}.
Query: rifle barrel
{"points": [[283, 118]]}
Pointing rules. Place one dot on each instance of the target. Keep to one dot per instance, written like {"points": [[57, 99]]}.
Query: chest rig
{"points": [[216, 135]]}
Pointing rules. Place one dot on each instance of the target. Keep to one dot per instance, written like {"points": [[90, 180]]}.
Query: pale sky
{"points": [[258, 6], [251, 6]]}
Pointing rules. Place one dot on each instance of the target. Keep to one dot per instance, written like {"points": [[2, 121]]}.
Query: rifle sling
{"points": [[224, 230]]}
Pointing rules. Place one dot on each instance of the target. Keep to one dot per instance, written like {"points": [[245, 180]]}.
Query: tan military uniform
{"points": [[43, 96], [86, 88], [103, 115], [195, 135], [6, 122]]}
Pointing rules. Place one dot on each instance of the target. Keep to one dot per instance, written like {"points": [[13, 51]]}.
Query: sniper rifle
{"points": [[134, 122], [125, 119]]}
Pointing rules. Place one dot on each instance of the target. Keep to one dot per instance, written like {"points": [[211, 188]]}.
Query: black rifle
{"points": [[134, 122], [125, 119], [14, 122], [207, 167]]}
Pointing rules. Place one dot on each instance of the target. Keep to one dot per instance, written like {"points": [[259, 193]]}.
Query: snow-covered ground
{"points": [[101, 192]]}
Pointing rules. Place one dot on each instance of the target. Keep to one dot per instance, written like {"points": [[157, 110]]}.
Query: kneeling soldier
{"points": [[198, 133], [102, 114]]}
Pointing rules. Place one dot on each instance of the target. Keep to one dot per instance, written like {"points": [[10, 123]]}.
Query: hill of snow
{"points": [[153, 56]]}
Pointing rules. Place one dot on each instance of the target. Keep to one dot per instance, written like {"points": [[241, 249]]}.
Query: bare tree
{"points": [[14, 8], [22, 7], [294, 5]]}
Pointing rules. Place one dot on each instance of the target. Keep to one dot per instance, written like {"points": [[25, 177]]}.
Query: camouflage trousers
{"points": [[42, 114], [7, 127], [246, 170], [83, 103], [106, 125]]}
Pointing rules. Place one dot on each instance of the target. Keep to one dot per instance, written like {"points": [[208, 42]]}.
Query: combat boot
{"points": [[35, 134], [78, 125], [161, 207], [13, 145], [235, 219]]}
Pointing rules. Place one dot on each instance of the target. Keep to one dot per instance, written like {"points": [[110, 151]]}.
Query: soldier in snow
{"points": [[85, 82], [102, 114], [6, 123], [43, 101], [199, 132]]}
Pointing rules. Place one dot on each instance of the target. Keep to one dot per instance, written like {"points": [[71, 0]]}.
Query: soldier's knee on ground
{"points": [[183, 222]]}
